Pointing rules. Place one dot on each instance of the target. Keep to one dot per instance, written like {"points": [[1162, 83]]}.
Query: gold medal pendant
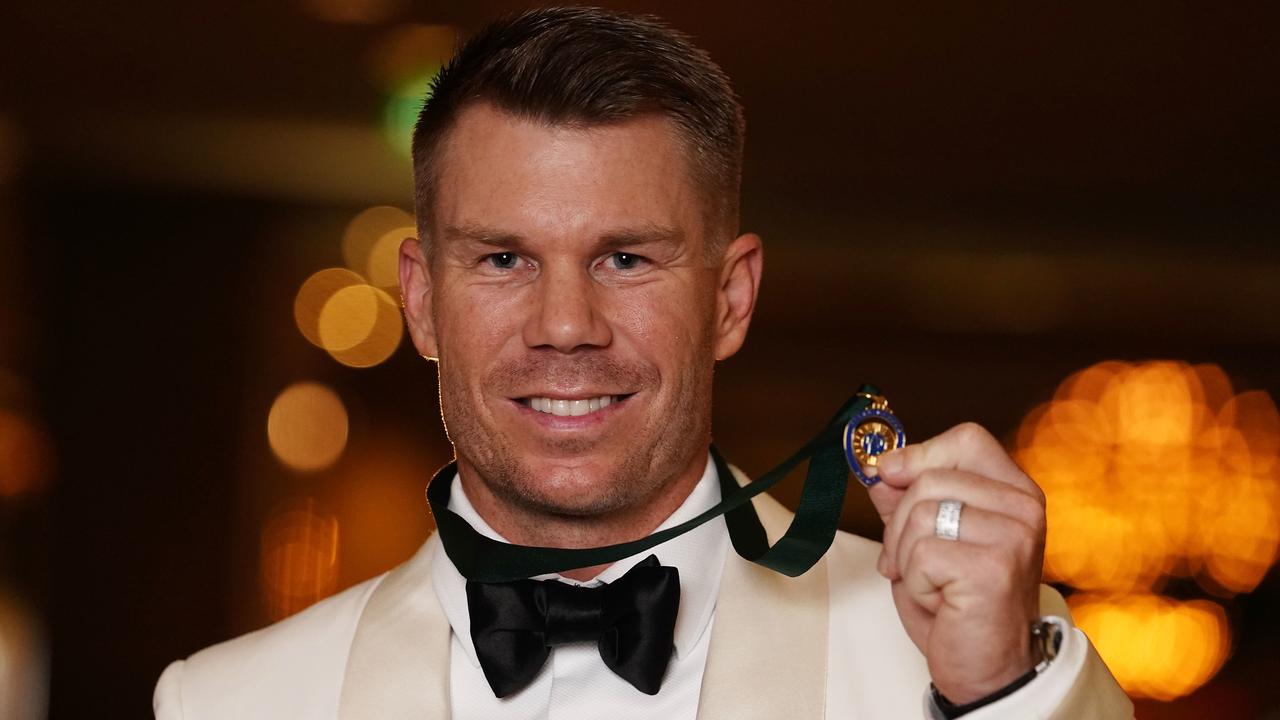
{"points": [[869, 434]]}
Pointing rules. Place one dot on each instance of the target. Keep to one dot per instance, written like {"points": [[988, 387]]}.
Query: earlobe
{"points": [[415, 297], [736, 292]]}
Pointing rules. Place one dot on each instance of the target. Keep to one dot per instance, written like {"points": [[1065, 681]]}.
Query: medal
{"points": [[869, 434]]}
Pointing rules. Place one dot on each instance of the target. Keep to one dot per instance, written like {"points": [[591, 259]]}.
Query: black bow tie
{"points": [[632, 620]]}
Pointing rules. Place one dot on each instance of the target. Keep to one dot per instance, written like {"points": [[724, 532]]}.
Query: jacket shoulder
{"points": [[293, 668]]}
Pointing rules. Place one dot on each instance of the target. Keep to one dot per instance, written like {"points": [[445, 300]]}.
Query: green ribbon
{"points": [[484, 559]]}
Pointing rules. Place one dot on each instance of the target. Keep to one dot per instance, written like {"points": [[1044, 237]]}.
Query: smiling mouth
{"points": [[563, 407]]}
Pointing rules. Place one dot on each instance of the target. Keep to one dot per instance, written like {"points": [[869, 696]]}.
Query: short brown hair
{"points": [[590, 67]]}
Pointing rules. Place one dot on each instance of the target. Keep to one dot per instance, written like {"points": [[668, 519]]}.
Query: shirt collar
{"points": [[698, 554]]}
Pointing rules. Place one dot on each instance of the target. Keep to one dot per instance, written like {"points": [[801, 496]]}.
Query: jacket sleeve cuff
{"points": [[1040, 697]]}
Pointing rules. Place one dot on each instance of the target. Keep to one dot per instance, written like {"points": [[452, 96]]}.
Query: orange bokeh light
{"points": [[26, 458], [1156, 469], [378, 498], [1155, 647], [371, 243], [314, 294], [360, 326], [307, 426], [299, 557]]}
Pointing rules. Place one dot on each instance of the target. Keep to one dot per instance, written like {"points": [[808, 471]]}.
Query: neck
{"points": [[522, 525]]}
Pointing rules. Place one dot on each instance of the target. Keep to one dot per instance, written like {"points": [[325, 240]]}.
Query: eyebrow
{"points": [[643, 234], [646, 234], [481, 234]]}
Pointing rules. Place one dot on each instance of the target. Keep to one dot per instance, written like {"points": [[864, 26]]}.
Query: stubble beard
{"points": [[652, 459]]}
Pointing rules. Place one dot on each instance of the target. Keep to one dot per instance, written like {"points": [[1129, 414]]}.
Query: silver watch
{"points": [[1046, 640]]}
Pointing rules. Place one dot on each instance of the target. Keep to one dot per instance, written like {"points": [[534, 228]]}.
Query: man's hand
{"points": [[966, 604]]}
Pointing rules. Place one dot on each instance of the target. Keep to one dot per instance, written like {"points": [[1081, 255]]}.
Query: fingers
{"points": [[969, 606], [977, 527], [945, 571], [919, 502], [939, 563], [966, 447], [886, 498]]}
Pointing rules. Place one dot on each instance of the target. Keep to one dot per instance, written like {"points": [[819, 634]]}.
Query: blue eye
{"points": [[626, 261], [504, 261]]}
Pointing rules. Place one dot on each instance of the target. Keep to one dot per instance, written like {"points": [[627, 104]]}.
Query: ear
{"points": [[415, 296], [736, 291]]}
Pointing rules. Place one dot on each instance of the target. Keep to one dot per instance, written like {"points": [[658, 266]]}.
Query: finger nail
{"points": [[890, 462]]}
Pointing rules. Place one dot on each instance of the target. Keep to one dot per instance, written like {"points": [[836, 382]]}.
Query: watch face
{"points": [[1046, 638]]}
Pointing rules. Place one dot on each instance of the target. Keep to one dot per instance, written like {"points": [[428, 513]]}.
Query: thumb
{"points": [[886, 498]]}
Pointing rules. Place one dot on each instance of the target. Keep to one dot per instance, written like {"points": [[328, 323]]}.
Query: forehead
{"points": [[530, 177]]}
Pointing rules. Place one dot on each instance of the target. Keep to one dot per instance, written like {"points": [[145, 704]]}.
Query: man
{"points": [[579, 274]]}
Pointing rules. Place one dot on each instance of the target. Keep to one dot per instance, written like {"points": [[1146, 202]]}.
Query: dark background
{"points": [[961, 203]]}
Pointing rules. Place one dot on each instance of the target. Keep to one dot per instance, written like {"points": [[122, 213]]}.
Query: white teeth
{"points": [[570, 408]]}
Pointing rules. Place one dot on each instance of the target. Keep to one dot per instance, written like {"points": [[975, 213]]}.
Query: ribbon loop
{"points": [[805, 541]]}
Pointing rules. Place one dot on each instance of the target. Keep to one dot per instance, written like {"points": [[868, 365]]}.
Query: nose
{"points": [[567, 313]]}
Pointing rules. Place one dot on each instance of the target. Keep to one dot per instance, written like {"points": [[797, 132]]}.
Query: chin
{"points": [[577, 488]]}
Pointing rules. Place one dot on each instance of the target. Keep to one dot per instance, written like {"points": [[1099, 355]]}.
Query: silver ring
{"points": [[947, 524]]}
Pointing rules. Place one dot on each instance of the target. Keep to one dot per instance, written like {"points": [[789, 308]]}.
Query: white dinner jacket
{"points": [[827, 644]]}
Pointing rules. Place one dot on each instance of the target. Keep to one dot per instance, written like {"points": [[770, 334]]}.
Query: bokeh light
{"points": [[312, 296], [299, 557], [371, 244], [26, 456], [360, 326], [403, 104], [378, 498], [403, 63], [1156, 470], [1155, 647], [307, 426], [24, 666]]}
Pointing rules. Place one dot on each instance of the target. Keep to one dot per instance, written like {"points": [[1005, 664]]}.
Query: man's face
{"points": [[575, 307]]}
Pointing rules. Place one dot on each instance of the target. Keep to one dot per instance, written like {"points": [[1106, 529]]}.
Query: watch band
{"points": [[949, 711], [1046, 640]]}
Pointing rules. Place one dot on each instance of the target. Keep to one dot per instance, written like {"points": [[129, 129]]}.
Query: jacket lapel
{"points": [[399, 662], [768, 654]]}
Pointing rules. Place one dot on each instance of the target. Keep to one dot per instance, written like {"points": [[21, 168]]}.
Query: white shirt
{"points": [[575, 683]]}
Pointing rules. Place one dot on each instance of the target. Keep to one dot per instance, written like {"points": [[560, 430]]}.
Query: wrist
{"points": [[1046, 638], [947, 710], [965, 693]]}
